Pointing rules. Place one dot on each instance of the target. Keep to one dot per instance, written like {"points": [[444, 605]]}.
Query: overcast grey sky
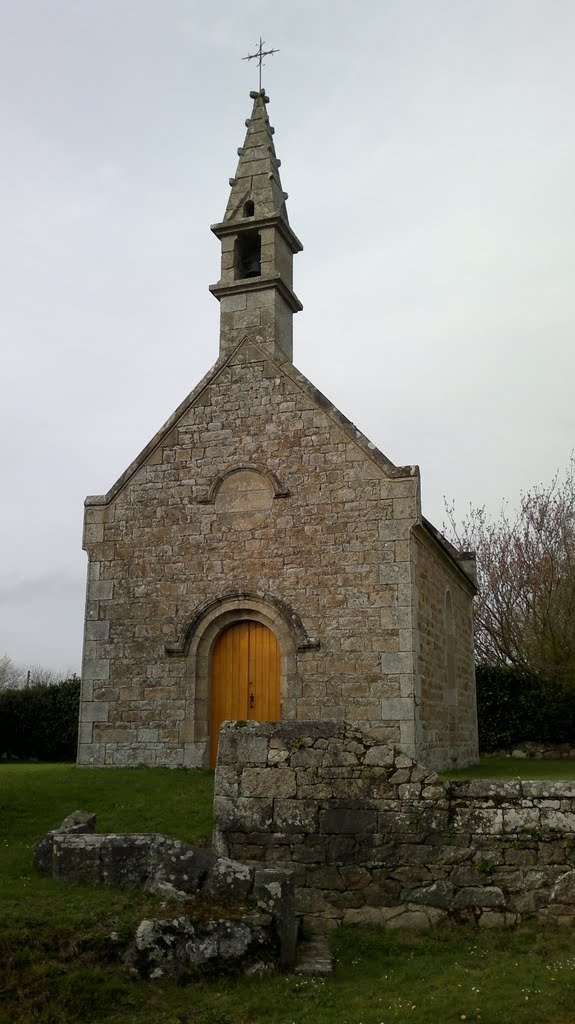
{"points": [[428, 148]]}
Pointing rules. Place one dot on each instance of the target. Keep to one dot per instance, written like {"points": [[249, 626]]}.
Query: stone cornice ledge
{"points": [[258, 284]]}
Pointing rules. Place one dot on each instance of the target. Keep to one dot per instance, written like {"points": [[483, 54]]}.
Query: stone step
{"points": [[314, 957]]}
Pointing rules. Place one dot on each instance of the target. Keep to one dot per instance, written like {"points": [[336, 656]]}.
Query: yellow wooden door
{"points": [[245, 677]]}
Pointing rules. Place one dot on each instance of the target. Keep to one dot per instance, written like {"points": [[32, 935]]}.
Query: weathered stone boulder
{"points": [[179, 947], [439, 894], [261, 900], [77, 823], [184, 866], [229, 881], [479, 896]]}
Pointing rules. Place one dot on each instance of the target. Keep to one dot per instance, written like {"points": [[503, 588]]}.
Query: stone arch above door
{"points": [[234, 601], [195, 644]]}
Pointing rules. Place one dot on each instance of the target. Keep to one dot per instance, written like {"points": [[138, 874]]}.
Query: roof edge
{"points": [[363, 442], [286, 368], [105, 499], [464, 561]]}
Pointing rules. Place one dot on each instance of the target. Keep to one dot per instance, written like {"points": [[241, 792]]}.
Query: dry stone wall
{"points": [[371, 836]]}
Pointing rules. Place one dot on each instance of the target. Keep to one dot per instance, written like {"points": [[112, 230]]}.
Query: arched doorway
{"points": [[245, 676]]}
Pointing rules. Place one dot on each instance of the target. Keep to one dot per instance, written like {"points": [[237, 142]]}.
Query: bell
{"points": [[253, 265]]}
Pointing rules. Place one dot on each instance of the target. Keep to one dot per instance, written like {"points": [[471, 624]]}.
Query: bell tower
{"points": [[255, 290]]}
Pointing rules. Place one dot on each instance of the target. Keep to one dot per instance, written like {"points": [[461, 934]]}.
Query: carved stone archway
{"points": [[196, 642]]}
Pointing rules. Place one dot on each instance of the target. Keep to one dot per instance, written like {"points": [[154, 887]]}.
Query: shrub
{"points": [[514, 706], [40, 722]]}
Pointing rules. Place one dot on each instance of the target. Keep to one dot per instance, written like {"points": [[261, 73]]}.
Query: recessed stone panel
{"points": [[244, 500]]}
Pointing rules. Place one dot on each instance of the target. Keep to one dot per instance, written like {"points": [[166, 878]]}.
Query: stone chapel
{"points": [[261, 559]]}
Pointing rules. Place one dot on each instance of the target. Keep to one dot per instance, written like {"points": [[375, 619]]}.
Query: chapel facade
{"points": [[261, 559]]}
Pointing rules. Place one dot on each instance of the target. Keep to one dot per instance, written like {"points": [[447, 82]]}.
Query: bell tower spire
{"points": [[255, 289]]}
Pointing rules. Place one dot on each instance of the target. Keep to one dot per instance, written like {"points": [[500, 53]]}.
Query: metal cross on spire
{"points": [[259, 56]]}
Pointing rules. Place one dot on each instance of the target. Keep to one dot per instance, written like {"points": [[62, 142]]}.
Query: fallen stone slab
{"points": [[262, 928], [314, 958]]}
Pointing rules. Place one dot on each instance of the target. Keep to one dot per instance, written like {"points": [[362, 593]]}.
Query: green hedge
{"points": [[515, 707], [40, 722]]}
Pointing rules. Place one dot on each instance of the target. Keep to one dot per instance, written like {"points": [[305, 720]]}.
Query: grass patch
{"points": [[59, 964], [56, 954], [529, 768]]}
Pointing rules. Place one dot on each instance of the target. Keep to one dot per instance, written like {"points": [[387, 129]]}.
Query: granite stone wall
{"points": [[318, 551], [446, 710], [371, 836]]}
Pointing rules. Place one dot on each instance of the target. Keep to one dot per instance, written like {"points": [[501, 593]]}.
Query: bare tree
{"points": [[525, 609], [39, 676], [16, 676], [11, 675]]}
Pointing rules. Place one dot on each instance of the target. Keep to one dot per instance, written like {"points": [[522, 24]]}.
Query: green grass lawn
{"points": [[58, 964], [516, 768]]}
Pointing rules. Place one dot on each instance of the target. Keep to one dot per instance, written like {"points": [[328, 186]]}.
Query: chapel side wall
{"points": [[447, 716], [334, 548], [97, 693]]}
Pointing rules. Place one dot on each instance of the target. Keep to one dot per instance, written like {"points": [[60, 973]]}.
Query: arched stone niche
{"points": [[244, 499], [243, 496]]}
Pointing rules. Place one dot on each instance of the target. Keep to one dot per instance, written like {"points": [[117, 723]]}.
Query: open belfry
{"points": [[261, 559]]}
